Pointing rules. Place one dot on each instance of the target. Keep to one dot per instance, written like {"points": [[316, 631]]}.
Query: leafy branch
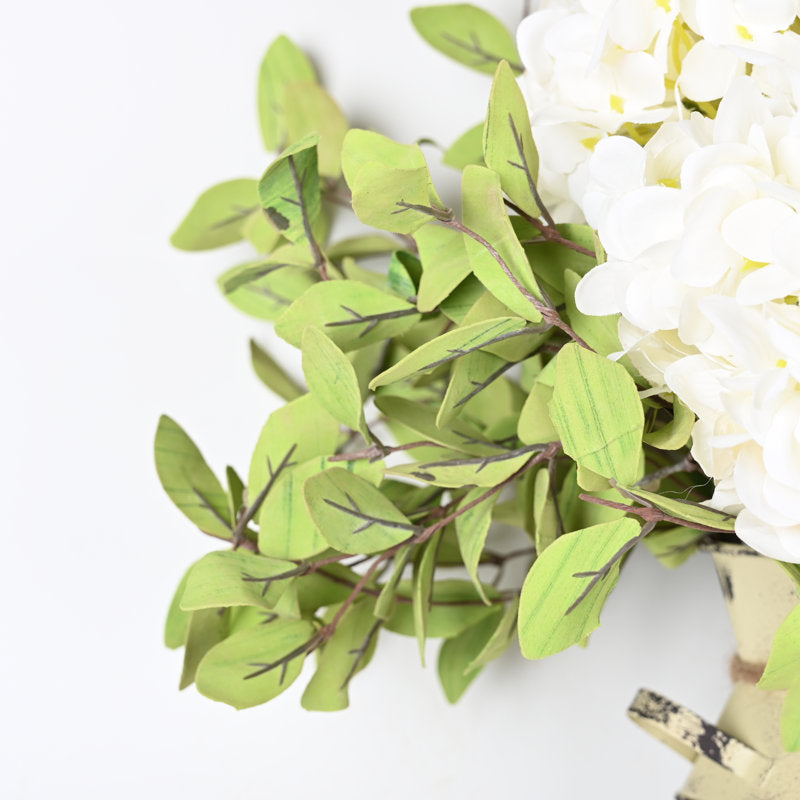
{"points": [[548, 234], [481, 385], [369, 519], [525, 167], [283, 662], [361, 651]]}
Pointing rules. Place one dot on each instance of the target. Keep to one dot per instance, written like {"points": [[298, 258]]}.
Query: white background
{"points": [[114, 117]]}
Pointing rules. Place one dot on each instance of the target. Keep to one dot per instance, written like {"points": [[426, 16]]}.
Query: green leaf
{"points": [[503, 634], [455, 606], [231, 578], [289, 190], [451, 345], [361, 247], [598, 332], [383, 175], [313, 110], [466, 150], [189, 481], [229, 670], [328, 688], [673, 546], [462, 299], [470, 376], [443, 254], [487, 306], [685, 510], [332, 379], [285, 529], [508, 146], [676, 433], [296, 432], [352, 515], [545, 516], [467, 34], [472, 528], [177, 624], [422, 589], [484, 213], [404, 274], [326, 586], [458, 653], [283, 65], [534, 423], [384, 606], [550, 589], [790, 720], [472, 471], [783, 667], [272, 375], [460, 436], [258, 231], [351, 313], [550, 260], [265, 289], [597, 413], [218, 216], [235, 494], [207, 627]]}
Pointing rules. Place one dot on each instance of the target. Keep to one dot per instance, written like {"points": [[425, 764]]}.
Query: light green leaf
{"points": [[296, 432], [352, 515], [685, 510], [283, 64], [218, 216], [466, 150], [508, 146], [472, 528], [597, 412], [460, 436], [451, 345], [177, 623], [487, 306], [229, 671], [386, 178], [550, 589], [443, 254], [285, 529], [332, 380], [361, 247], [312, 110], [598, 332], [471, 471], [783, 667], [272, 375], [504, 633], [351, 313], [458, 653], [235, 494], [404, 274], [534, 423], [470, 376], [484, 213], [258, 231], [467, 34], [265, 289], [673, 546], [545, 516], [207, 627], [676, 433], [462, 299], [384, 606], [328, 688], [455, 606], [327, 586], [233, 578], [550, 260], [289, 190], [422, 588], [189, 481]]}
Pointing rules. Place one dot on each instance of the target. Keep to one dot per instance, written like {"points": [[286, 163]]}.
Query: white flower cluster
{"points": [[599, 67], [699, 214]]}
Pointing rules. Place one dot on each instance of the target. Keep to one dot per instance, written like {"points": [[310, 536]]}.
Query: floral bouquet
{"points": [[599, 348]]}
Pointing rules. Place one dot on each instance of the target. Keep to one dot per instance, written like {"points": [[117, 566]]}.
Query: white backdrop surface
{"points": [[114, 117]]}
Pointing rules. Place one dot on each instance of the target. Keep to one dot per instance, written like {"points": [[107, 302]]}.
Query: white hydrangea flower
{"points": [[701, 228]]}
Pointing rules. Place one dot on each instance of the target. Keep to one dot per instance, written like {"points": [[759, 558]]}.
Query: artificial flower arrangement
{"points": [[609, 322]]}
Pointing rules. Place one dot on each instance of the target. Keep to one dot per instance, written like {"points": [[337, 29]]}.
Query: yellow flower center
{"points": [[750, 266], [744, 33], [617, 103]]}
